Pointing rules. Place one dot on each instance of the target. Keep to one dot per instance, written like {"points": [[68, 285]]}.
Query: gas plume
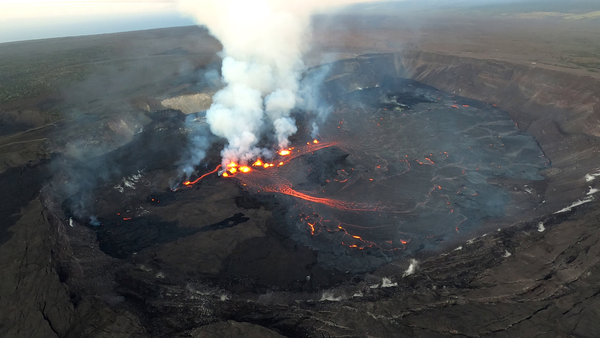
{"points": [[263, 42]]}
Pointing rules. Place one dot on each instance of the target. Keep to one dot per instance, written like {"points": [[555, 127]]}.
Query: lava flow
{"points": [[293, 153], [259, 177], [286, 156], [189, 183], [286, 189]]}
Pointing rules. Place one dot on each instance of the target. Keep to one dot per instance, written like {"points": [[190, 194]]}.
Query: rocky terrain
{"points": [[535, 277]]}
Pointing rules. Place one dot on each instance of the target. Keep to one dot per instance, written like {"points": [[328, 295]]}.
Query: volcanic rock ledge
{"points": [[34, 302], [519, 282]]}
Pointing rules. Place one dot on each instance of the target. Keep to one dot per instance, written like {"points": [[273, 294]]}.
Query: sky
{"points": [[39, 19]]}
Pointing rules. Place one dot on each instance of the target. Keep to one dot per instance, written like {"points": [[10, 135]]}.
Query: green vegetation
{"points": [[43, 68], [25, 76], [559, 6], [28, 72], [581, 8], [590, 66]]}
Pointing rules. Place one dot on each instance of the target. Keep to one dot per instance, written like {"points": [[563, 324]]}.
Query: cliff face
{"points": [[529, 93], [561, 110]]}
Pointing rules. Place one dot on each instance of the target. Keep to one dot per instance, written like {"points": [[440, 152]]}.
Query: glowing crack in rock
{"points": [[190, 183]]}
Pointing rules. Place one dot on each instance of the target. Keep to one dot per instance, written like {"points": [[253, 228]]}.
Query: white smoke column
{"points": [[263, 42]]}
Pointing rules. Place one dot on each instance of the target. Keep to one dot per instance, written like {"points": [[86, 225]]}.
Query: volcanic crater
{"points": [[399, 169], [406, 191], [451, 189]]}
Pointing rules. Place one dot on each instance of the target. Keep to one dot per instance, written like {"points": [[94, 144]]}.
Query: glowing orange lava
{"points": [[286, 189], [309, 148], [362, 243], [312, 228], [234, 168], [188, 183], [256, 176]]}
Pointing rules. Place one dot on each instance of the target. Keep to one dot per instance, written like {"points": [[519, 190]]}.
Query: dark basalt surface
{"points": [[434, 164], [219, 258], [24, 184], [417, 163]]}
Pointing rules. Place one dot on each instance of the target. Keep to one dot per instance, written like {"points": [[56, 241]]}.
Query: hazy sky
{"points": [[37, 19]]}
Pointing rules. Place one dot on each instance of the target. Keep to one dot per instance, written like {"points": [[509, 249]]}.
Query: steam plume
{"points": [[263, 42]]}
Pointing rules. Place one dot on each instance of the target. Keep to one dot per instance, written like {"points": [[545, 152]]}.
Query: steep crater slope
{"points": [[561, 110]]}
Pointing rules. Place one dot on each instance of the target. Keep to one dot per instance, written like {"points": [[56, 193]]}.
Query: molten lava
{"points": [[286, 189], [189, 183], [233, 168], [256, 176]]}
